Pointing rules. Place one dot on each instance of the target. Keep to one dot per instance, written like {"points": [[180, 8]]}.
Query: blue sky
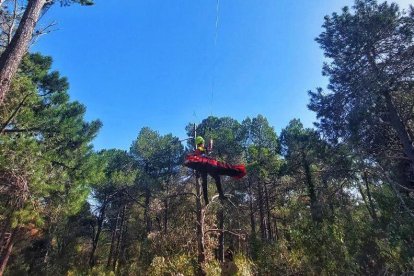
{"points": [[154, 62]]}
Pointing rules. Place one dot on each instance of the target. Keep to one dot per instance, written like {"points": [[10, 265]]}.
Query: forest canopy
{"points": [[335, 199]]}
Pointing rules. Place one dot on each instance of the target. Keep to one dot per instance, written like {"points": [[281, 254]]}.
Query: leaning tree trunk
{"points": [[12, 56], [400, 128], [8, 249]]}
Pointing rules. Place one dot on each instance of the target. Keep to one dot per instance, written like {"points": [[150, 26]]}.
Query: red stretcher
{"points": [[210, 165]]}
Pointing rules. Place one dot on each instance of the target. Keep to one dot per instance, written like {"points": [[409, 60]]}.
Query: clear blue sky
{"points": [[137, 63]]}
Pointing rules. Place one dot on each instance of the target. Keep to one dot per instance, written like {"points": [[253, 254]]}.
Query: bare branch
{"points": [[12, 23], [4, 126], [43, 31], [242, 235]]}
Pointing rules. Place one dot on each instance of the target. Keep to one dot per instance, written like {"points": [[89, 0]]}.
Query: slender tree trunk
{"points": [[4, 232], [8, 250], [268, 225], [277, 235], [252, 219], [315, 209], [220, 215], [113, 238], [147, 217], [400, 129], [166, 205], [12, 56], [364, 198], [262, 216], [120, 236], [98, 233], [200, 230], [7, 122], [121, 254], [371, 203]]}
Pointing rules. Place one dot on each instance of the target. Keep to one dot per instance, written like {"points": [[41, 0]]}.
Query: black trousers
{"points": [[216, 178]]}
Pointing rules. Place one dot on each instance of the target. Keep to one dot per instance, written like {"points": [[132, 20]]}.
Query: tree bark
{"points": [[98, 233], [268, 225], [120, 236], [200, 230], [315, 209], [400, 128], [371, 203], [10, 59], [113, 238], [147, 217], [166, 205], [220, 215], [8, 250], [262, 216], [252, 219]]}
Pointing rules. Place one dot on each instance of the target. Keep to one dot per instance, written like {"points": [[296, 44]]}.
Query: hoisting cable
{"points": [[214, 56]]}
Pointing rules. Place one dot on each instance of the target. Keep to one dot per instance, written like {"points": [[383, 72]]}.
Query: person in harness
{"points": [[202, 150]]}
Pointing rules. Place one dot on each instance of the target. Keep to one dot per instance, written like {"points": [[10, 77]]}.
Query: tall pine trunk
{"points": [[262, 216], [98, 233], [113, 238], [400, 129], [268, 225], [200, 230], [314, 205], [220, 216], [12, 56], [371, 203], [119, 240], [252, 212], [147, 217]]}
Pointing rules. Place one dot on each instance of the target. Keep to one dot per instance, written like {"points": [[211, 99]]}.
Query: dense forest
{"points": [[336, 199]]}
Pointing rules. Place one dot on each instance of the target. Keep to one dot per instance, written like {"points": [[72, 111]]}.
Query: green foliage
{"points": [[337, 200], [172, 265], [244, 265]]}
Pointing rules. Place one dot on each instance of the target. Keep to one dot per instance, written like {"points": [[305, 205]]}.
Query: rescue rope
{"points": [[214, 56]]}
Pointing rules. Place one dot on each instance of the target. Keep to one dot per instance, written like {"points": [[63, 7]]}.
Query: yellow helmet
{"points": [[199, 140]]}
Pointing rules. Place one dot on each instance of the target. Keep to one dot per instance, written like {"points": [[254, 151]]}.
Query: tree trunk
{"points": [[166, 204], [123, 245], [252, 219], [120, 236], [262, 216], [10, 59], [113, 238], [315, 208], [220, 215], [147, 217], [400, 129], [4, 232], [8, 250], [200, 230], [277, 235], [268, 225], [371, 203], [98, 233]]}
